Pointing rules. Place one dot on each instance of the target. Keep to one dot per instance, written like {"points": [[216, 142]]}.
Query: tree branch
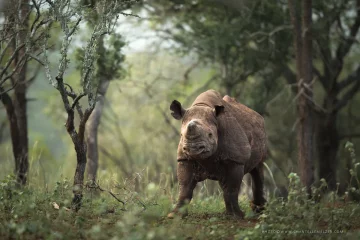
{"points": [[348, 95], [290, 77], [163, 113], [114, 159], [77, 99], [31, 80], [4, 50], [37, 17], [96, 186], [189, 70], [18, 67], [351, 78], [11, 59], [37, 59], [14, 130], [120, 134], [9, 89], [345, 45], [83, 121], [298, 43], [320, 77], [63, 93]]}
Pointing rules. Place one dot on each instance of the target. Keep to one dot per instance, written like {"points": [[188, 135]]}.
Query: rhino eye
{"points": [[210, 135]]}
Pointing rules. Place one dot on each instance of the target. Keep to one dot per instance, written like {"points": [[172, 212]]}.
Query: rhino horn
{"points": [[192, 129]]}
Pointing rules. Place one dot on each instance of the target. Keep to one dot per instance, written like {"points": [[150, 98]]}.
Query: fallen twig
{"points": [[95, 185]]}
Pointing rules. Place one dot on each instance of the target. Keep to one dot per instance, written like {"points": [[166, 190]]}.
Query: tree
{"points": [[336, 76], [69, 14], [228, 38], [337, 25], [303, 48], [21, 36], [206, 28], [333, 53], [108, 67]]}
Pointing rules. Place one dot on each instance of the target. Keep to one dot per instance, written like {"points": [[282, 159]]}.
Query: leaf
{"points": [[55, 205]]}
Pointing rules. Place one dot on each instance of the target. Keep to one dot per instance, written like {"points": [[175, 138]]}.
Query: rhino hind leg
{"points": [[187, 183], [259, 200], [230, 184]]}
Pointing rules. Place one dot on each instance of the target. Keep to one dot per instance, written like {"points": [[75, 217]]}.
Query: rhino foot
{"points": [[183, 212], [237, 215], [257, 208]]}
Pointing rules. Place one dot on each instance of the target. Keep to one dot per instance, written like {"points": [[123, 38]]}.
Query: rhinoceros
{"points": [[220, 140]]}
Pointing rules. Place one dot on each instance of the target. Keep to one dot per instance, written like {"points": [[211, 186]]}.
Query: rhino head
{"points": [[199, 130]]}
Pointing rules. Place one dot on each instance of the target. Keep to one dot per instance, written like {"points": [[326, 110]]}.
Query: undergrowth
{"points": [[135, 209], [320, 216]]}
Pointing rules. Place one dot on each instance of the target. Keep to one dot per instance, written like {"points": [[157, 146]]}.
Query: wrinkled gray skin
{"points": [[221, 140]]}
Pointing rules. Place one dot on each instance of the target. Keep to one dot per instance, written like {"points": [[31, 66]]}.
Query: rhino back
{"points": [[253, 125], [250, 120], [210, 98]]}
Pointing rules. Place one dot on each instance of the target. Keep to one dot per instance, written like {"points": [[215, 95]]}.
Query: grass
{"points": [[44, 214]]}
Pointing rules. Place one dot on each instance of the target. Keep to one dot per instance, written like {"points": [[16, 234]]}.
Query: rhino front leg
{"points": [[259, 201], [187, 183], [230, 184]]}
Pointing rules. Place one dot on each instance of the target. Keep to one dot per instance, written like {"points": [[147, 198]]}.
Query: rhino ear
{"points": [[177, 110], [219, 109]]}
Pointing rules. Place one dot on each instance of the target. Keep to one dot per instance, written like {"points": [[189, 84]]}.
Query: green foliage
{"points": [[354, 184], [45, 214], [302, 217], [229, 38], [110, 58], [40, 213]]}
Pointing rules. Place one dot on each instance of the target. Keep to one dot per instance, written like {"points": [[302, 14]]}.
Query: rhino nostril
{"points": [[185, 148]]}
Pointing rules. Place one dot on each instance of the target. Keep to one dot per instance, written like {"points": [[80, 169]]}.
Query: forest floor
{"points": [[45, 214]]}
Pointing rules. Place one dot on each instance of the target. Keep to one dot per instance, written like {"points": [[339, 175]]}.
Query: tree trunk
{"points": [[92, 126], [327, 146], [22, 163], [14, 130], [20, 103], [80, 149], [92, 131], [306, 154], [303, 46]]}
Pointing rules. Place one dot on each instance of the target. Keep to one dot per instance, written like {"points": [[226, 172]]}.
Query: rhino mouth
{"points": [[195, 150]]}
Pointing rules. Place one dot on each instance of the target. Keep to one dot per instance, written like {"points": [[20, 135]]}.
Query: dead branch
{"points": [[95, 186]]}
